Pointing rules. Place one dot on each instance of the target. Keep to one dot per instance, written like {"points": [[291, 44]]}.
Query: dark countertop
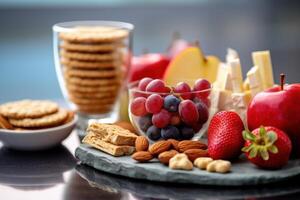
{"points": [[56, 174]]}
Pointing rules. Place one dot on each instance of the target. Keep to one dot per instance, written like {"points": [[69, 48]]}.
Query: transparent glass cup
{"points": [[92, 61], [184, 130]]}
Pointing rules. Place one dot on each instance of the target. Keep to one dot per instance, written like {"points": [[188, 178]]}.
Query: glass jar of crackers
{"points": [[92, 60]]}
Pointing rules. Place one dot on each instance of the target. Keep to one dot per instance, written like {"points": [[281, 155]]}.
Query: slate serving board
{"points": [[242, 172]]}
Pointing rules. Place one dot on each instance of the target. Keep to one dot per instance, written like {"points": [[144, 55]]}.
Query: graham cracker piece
{"points": [[115, 150], [113, 134]]}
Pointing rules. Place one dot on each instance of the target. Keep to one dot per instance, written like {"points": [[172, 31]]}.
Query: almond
{"points": [[141, 143], [193, 154], [189, 144], [142, 156], [164, 157], [174, 144], [159, 147]]}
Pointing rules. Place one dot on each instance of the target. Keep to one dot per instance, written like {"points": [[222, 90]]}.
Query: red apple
{"points": [[152, 65], [278, 107]]}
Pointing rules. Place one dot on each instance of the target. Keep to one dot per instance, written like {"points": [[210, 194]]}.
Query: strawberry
{"points": [[267, 147], [225, 138]]}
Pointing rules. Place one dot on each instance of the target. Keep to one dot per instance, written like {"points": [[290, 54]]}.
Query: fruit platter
{"points": [[195, 119]]}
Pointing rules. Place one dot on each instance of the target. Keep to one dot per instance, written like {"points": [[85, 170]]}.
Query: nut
{"points": [[202, 162], [180, 161], [141, 143], [174, 144], [189, 144], [165, 157], [142, 156], [196, 153], [220, 166], [159, 147]]}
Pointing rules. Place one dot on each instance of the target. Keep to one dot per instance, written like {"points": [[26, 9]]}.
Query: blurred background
{"points": [[26, 58]]}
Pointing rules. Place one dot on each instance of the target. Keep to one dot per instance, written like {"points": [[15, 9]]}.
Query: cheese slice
{"points": [[255, 81], [246, 85], [241, 100], [262, 60], [235, 71], [223, 78], [254, 78], [221, 99], [231, 54]]}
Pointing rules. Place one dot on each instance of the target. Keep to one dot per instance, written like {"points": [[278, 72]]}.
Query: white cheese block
{"points": [[223, 78], [235, 71], [241, 99], [221, 99], [254, 78], [262, 60], [255, 90], [231, 54]]}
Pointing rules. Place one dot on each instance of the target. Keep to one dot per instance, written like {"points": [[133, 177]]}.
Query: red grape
{"points": [[188, 112], [175, 120], [203, 112], [137, 106], [184, 89], [200, 85], [143, 83], [154, 103], [156, 85], [161, 119]]}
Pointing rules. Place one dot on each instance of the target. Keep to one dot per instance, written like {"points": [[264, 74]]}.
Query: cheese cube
{"points": [[254, 78], [241, 100], [235, 70], [221, 99], [246, 85], [223, 78], [262, 60], [231, 54], [255, 90]]}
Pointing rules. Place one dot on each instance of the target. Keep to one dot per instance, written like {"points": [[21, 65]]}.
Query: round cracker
{"points": [[4, 123], [96, 95], [94, 34], [28, 109], [114, 89], [70, 72], [53, 119], [92, 81], [90, 65], [91, 101], [89, 56], [91, 47]]}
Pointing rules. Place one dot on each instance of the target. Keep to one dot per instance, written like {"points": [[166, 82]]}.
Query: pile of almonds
{"points": [[164, 150]]}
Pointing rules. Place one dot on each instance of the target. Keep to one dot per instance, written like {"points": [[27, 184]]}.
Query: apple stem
{"points": [[282, 77], [197, 44]]}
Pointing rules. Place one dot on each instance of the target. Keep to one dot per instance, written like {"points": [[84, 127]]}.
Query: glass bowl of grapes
{"points": [[159, 111]]}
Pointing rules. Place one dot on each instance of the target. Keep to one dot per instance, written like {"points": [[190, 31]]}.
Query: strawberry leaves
{"points": [[260, 144]]}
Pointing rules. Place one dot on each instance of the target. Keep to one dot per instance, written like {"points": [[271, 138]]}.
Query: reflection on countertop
{"points": [[140, 189], [34, 169]]}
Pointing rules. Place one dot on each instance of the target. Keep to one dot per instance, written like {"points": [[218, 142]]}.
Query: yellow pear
{"points": [[123, 110], [190, 65]]}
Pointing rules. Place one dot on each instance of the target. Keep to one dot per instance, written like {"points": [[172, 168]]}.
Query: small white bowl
{"points": [[30, 140]]}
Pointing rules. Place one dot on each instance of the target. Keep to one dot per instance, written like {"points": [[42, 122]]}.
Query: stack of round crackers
{"points": [[32, 114], [93, 66]]}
